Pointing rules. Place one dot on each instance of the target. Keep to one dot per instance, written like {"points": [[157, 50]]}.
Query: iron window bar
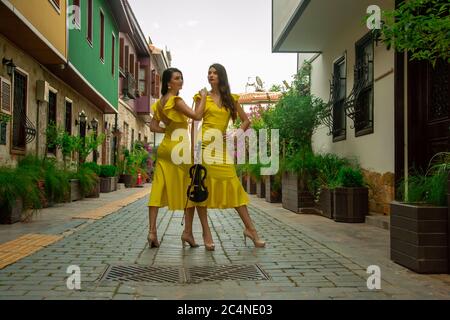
{"points": [[361, 82], [327, 118], [30, 129]]}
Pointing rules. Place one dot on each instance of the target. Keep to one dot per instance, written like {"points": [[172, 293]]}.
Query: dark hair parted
{"points": [[166, 77], [224, 90]]}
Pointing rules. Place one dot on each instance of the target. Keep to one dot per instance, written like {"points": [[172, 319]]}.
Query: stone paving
{"points": [[307, 257]]}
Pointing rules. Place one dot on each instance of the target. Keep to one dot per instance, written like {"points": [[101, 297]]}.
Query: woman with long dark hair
{"points": [[170, 180], [225, 189]]}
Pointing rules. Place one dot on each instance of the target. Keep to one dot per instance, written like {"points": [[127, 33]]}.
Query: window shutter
{"points": [[153, 88], [5, 92]]}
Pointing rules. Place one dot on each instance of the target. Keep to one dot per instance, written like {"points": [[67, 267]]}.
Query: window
{"points": [[364, 75], [76, 14], [131, 67], [121, 53], [113, 55], [125, 133], [19, 111], [102, 36], [51, 119], [143, 76], [136, 74], [139, 137], [339, 93], [56, 4], [132, 139], [145, 140], [153, 88], [127, 58], [89, 21], [68, 117]]}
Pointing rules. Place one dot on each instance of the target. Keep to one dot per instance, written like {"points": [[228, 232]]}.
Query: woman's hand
{"points": [[203, 93]]}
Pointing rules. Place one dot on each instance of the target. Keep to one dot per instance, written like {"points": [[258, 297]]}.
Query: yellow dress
{"points": [[170, 181], [225, 189]]}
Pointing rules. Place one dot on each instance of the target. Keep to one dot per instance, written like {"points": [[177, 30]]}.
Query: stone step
{"points": [[378, 220]]}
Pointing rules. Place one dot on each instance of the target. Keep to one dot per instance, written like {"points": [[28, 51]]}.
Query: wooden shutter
{"points": [[5, 92], [158, 88]]}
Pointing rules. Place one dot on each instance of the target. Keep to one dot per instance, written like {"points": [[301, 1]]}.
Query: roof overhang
{"points": [[22, 33], [314, 24]]}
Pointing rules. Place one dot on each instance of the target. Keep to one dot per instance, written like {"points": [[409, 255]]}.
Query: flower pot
{"points": [[294, 197], [351, 205], [75, 190], [95, 192], [251, 185], [326, 202], [272, 195], [261, 188], [419, 237], [11, 215], [108, 184], [128, 181]]}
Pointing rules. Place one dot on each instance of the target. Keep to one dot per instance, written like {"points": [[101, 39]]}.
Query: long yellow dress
{"points": [[170, 181], [225, 189]]}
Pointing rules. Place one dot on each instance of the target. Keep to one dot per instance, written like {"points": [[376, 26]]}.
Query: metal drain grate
{"points": [[174, 274], [226, 272]]}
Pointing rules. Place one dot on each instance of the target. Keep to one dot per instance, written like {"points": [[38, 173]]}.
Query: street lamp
{"points": [[10, 66], [94, 124], [81, 118]]}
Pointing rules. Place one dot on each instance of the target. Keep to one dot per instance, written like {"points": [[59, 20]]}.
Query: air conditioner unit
{"points": [[42, 90]]}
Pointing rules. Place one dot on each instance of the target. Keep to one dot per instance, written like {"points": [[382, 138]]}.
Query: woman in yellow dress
{"points": [[225, 189], [170, 180]]}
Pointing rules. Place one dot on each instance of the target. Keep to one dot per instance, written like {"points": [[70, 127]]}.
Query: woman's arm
{"points": [[197, 113], [244, 118], [154, 126]]}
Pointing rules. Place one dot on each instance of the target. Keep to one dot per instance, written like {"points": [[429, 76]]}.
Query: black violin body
{"points": [[197, 191]]}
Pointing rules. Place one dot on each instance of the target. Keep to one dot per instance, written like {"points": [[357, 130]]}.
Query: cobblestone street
{"points": [[307, 257]]}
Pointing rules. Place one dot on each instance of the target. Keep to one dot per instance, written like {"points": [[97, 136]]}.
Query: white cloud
{"points": [[192, 23], [156, 25]]}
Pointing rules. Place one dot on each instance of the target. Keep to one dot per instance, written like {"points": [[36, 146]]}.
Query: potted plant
{"points": [[351, 196], [273, 188], [420, 221], [328, 167], [18, 191], [298, 182], [108, 178], [95, 191]]}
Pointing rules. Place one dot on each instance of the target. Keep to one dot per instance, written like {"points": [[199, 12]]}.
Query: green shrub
{"points": [[88, 179], [92, 166], [107, 171], [349, 177], [328, 167]]}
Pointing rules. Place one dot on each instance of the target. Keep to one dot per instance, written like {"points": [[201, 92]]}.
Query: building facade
{"points": [[370, 100]]}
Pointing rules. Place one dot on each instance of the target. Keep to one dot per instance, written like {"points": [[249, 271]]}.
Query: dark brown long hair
{"points": [[224, 90]]}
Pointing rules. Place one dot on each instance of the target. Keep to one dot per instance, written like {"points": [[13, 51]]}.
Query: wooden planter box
{"points": [[326, 202], [244, 182], [128, 181], [419, 237], [11, 215], [75, 190], [108, 184], [95, 193], [261, 188], [294, 197], [351, 205], [251, 185], [272, 196]]}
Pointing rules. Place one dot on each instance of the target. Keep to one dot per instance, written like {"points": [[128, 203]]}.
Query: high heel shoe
{"points": [[252, 235], [189, 239], [209, 246], [152, 240]]}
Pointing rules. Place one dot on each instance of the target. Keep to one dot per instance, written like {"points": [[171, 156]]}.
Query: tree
{"points": [[420, 27]]}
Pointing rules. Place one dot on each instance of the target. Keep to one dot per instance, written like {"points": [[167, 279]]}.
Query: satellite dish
{"points": [[259, 82]]}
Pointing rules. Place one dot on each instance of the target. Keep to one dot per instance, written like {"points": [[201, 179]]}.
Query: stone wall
{"points": [[381, 191]]}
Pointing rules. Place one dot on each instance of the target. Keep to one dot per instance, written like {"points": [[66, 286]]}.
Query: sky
{"points": [[198, 33]]}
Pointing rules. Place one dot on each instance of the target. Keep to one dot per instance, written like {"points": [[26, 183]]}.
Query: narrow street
{"points": [[307, 256]]}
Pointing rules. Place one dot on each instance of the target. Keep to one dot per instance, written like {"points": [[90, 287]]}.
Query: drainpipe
{"points": [[37, 128], [405, 126], [115, 139]]}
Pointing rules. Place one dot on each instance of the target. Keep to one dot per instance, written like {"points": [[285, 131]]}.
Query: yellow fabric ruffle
{"points": [[169, 110]]}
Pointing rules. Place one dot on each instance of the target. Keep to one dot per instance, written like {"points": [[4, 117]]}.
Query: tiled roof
{"points": [[259, 97]]}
